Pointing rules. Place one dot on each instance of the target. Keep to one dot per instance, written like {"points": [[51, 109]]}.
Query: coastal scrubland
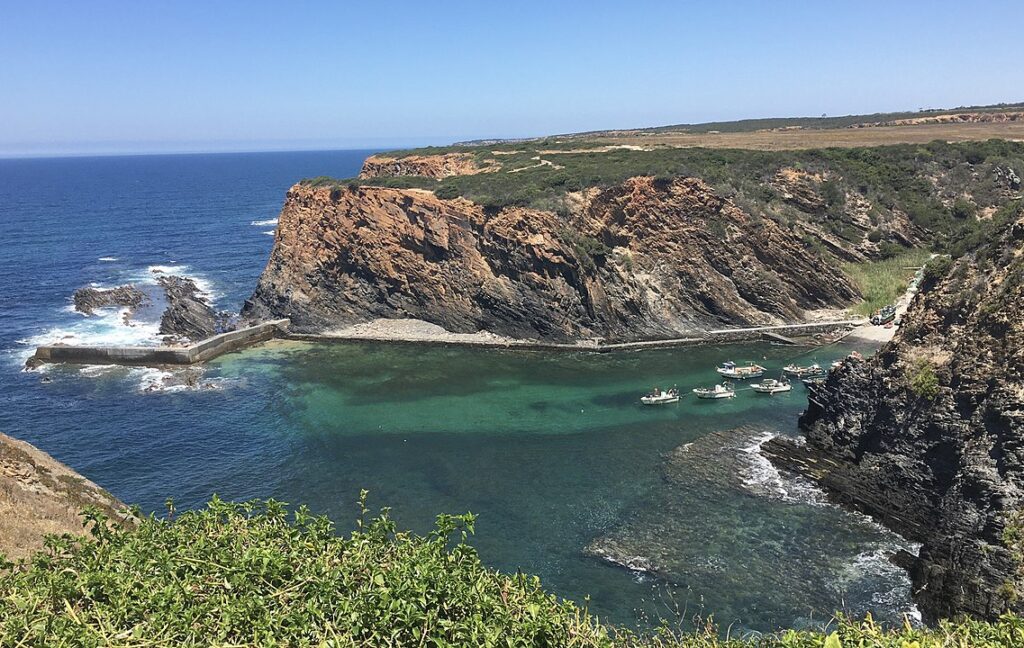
{"points": [[260, 574]]}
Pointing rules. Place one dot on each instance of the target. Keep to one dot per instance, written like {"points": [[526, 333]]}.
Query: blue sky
{"points": [[103, 76]]}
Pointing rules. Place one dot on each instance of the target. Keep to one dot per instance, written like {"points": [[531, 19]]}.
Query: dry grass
{"points": [[40, 496], [795, 139]]}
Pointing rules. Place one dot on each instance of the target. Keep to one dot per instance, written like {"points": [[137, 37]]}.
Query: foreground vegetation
{"points": [[254, 574]]}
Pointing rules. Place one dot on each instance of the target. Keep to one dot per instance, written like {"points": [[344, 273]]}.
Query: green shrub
{"points": [[936, 269], [447, 192], [963, 208], [587, 249], [882, 282], [923, 380], [252, 574]]}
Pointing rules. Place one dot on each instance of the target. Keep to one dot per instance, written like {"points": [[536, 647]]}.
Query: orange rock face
{"points": [[645, 259], [428, 166]]}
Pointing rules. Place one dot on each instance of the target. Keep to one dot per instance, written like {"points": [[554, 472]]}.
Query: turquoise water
{"points": [[553, 451]]}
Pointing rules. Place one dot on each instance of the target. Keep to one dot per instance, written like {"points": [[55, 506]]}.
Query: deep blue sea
{"points": [[553, 451]]}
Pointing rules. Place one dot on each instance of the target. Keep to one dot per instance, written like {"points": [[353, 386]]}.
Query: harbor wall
{"points": [[719, 336], [147, 356]]}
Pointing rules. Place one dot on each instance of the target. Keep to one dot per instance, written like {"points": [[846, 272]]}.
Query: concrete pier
{"points": [[154, 355], [719, 336]]}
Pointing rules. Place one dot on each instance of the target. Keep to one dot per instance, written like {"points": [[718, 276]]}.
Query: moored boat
{"points": [[771, 386], [740, 372], [797, 371], [724, 390], [814, 380], [659, 397]]}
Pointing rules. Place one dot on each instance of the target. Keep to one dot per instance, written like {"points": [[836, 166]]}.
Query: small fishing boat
{"points": [[771, 386], [797, 371], [811, 381], [725, 390], [740, 372], [659, 397]]}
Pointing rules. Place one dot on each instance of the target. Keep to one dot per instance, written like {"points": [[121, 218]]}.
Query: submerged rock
{"points": [[724, 515], [87, 300], [928, 435]]}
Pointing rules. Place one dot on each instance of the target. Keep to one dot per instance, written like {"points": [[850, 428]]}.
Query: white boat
{"points": [[837, 364], [771, 386], [797, 371], [740, 372], [725, 390], [658, 397]]}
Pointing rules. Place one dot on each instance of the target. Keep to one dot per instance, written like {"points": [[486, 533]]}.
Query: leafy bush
{"points": [[588, 250], [252, 575], [963, 208], [923, 380], [936, 269], [446, 192]]}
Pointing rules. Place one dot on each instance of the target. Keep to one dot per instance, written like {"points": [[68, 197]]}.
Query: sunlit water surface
{"points": [[552, 450]]}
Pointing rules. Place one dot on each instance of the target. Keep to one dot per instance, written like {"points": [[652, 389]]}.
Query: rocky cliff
{"points": [[643, 259], [928, 435], [41, 496], [427, 166]]}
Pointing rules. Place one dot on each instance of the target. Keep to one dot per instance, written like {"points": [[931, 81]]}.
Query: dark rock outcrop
{"points": [[648, 258], [188, 314], [87, 300], [928, 435]]}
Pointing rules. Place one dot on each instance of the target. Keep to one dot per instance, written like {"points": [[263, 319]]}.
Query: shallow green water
{"points": [[554, 452]]}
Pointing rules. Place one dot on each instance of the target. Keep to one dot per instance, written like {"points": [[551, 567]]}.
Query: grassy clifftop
{"points": [[255, 575], [861, 203]]}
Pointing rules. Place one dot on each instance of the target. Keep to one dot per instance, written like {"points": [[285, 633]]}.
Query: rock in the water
{"points": [[88, 300], [188, 314], [928, 435]]}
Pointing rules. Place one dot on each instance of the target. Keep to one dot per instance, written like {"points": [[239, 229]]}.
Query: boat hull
{"points": [[659, 401]]}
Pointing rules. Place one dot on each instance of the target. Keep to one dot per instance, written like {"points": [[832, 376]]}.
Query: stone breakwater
{"points": [[419, 332], [160, 355]]}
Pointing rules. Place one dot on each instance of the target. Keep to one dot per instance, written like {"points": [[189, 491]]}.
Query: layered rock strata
{"points": [[928, 435], [648, 258]]}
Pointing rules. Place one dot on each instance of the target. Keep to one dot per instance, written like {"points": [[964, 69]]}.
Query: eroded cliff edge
{"points": [[41, 496], [927, 435], [647, 258]]}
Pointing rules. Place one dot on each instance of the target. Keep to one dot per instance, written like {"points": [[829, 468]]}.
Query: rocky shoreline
{"points": [[926, 435]]}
